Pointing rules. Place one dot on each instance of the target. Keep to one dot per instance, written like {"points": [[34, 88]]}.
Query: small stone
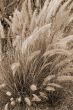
{"points": [[19, 100], [28, 102], [36, 98], [13, 103], [8, 93], [11, 99], [33, 87]]}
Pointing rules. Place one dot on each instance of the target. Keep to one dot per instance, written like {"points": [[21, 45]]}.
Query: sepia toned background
{"points": [[36, 55]]}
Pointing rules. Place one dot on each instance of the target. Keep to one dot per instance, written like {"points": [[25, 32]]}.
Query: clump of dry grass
{"points": [[38, 74]]}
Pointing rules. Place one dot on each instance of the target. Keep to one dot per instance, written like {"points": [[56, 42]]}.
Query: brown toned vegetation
{"points": [[37, 70]]}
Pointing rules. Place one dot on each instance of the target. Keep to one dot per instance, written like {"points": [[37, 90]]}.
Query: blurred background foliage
{"points": [[8, 6]]}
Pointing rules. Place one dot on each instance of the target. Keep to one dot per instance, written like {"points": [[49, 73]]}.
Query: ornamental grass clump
{"points": [[38, 73]]}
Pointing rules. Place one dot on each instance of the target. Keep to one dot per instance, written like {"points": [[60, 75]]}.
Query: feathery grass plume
{"points": [[2, 35], [35, 74], [41, 76], [53, 12]]}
